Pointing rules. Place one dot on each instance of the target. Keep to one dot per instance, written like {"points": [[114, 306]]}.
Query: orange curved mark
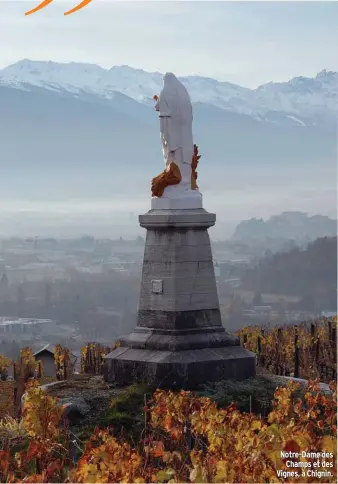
{"points": [[39, 7], [78, 7]]}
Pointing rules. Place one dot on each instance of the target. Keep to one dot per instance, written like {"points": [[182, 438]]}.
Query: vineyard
{"points": [[307, 350], [185, 439], [181, 436]]}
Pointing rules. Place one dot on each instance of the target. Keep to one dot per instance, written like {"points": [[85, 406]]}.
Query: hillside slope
{"points": [[310, 273]]}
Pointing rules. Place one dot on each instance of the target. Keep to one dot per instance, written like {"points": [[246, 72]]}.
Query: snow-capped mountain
{"points": [[299, 100], [51, 74], [77, 131], [302, 94]]}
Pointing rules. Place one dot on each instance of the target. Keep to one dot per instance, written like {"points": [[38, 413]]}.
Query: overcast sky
{"points": [[247, 43]]}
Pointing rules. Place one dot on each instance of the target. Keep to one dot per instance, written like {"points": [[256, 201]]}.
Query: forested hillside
{"points": [[310, 273]]}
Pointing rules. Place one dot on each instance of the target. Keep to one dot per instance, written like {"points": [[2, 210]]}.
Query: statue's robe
{"points": [[175, 113], [176, 121]]}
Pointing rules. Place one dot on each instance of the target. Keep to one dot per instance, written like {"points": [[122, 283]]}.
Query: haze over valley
{"points": [[80, 144]]}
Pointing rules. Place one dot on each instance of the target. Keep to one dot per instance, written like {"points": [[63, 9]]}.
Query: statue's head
{"points": [[169, 77], [174, 85], [175, 96]]}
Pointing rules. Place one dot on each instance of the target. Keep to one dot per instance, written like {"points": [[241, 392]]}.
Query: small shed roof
{"points": [[50, 348]]}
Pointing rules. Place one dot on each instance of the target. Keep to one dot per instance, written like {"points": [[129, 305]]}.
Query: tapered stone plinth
{"points": [[179, 340]]}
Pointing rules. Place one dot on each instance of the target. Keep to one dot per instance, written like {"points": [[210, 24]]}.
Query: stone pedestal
{"points": [[175, 198], [179, 340]]}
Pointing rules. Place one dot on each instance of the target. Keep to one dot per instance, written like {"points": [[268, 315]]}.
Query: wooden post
{"points": [[313, 330], [334, 344], [329, 324], [259, 349], [313, 348], [296, 371], [278, 352]]}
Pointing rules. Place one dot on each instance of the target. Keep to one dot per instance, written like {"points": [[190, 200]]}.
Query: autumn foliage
{"points": [[307, 350], [92, 358], [186, 439], [63, 364]]}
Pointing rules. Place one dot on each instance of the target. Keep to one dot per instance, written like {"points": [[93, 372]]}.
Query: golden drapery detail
{"points": [[194, 163], [170, 176]]}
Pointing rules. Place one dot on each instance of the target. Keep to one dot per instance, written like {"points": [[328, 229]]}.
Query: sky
{"points": [[248, 43]]}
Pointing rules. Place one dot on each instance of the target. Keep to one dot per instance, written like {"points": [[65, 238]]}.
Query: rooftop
{"points": [[5, 321]]}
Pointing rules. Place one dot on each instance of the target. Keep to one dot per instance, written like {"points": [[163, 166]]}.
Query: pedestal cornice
{"points": [[188, 218]]}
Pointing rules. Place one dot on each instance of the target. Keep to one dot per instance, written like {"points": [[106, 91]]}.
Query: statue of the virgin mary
{"points": [[180, 154]]}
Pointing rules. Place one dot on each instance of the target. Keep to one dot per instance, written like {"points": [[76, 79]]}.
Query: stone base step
{"points": [[178, 369]]}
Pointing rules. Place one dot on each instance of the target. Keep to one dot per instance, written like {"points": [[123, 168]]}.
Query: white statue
{"points": [[175, 113]]}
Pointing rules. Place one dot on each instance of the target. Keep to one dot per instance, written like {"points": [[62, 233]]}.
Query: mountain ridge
{"points": [[72, 143], [287, 225], [301, 98]]}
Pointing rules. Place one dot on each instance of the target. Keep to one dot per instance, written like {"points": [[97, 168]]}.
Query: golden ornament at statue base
{"points": [[194, 163], [170, 176]]}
